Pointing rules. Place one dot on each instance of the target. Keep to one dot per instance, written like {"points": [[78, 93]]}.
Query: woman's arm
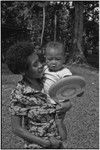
{"points": [[23, 133]]}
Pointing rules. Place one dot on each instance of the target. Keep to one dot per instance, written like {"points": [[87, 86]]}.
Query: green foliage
{"points": [[27, 18]]}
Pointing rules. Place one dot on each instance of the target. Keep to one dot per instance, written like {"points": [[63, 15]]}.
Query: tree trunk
{"points": [[43, 27], [77, 55], [55, 26]]}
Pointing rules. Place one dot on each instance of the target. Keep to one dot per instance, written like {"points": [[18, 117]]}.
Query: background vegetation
{"points": [[74, 23]]}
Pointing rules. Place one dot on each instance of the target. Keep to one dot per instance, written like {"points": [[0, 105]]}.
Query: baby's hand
{"points": [[62, 108], [66, 105]]}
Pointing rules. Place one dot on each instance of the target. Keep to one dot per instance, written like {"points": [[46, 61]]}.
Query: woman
{"points": [[33, 116]]}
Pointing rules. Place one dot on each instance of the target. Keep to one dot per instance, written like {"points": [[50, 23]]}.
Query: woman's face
{"points": [[35, 68]]}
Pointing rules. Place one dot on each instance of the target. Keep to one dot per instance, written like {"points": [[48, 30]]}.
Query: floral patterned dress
{"points": [[34, 106]]}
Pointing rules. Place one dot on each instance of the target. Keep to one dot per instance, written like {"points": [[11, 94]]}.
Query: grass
{"points": [[82, 121]]}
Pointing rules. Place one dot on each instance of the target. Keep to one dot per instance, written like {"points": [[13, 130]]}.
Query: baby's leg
{"points": [[60, 115]]}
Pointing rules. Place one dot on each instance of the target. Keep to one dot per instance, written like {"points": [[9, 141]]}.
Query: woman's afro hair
{"points": [[16, 57]]}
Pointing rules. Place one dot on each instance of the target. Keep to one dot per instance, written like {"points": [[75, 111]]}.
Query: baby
{"points": [[54, 70]]}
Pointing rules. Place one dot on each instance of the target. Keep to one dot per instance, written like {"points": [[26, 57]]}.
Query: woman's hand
{"points": [[64, 145], [54, 143]]}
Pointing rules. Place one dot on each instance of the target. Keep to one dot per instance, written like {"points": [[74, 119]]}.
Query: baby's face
{"points": [[55, 59]]}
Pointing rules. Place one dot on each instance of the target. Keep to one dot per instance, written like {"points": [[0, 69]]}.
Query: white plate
{"points": [[67, 88]]}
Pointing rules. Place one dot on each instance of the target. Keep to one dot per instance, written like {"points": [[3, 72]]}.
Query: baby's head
{"points": [[55, 56]]}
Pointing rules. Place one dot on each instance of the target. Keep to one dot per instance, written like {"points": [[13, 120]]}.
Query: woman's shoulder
{"points": [[16, 93], [23, 87], [19, 86], [23, 94]]}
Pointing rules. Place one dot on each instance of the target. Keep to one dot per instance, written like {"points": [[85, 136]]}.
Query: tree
{"points": [[91, 26], [77, 54], [12, 30]]}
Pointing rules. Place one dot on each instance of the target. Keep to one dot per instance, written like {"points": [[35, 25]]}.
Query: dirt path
{"points": [[82, 121]]}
